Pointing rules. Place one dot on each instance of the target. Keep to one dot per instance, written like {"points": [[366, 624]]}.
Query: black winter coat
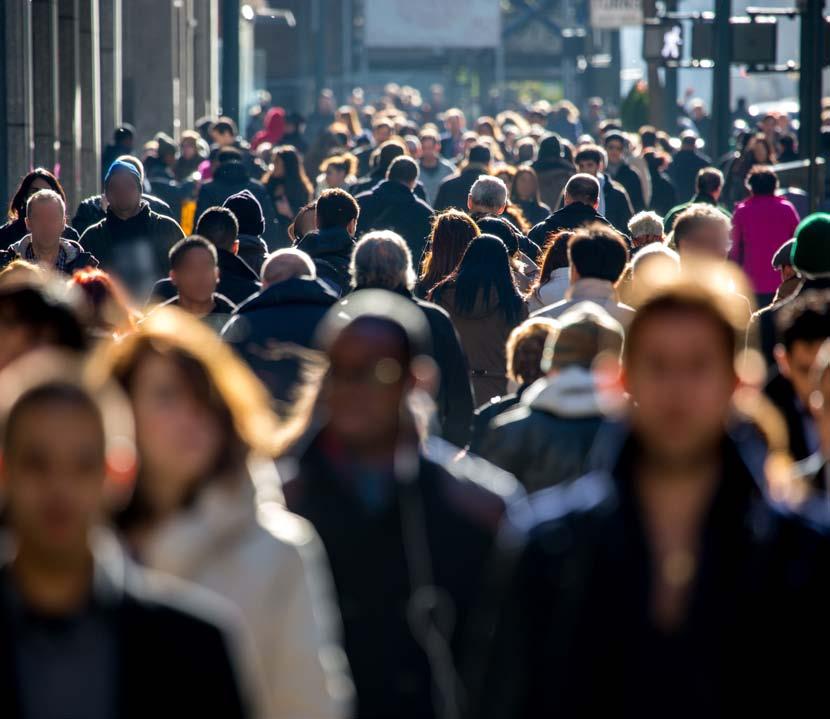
{"points": [[570, 217], [781, 393], [266, 327], [90, 211], [453, 191], [15, 230], [534, 212], [252, 251], [372, 181], [574, 635], [618, 207], [331, 250], [453, 515], [630, 180], [237, 281], [663, 196], [683, 172], [393, 206]]}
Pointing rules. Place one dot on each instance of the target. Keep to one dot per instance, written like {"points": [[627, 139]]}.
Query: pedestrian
{"points": [[525, 193], [663, 195], [552, 283], [288, 187], [434, 168], [251, 224], [484, 304], [618, 168], [204, 508], [337, 171], [452, 231], [273, 129], [454, 190], [708, 190], [553, 170], [686, 163], [614, 202], [107, 313], [123, 142], [15, 229], [645, 228]]}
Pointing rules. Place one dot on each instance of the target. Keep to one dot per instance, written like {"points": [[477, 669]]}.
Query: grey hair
{"points": [[655, 249], [645, 223], [45, 196], [302, 258], [489, 192], [382, 260]]}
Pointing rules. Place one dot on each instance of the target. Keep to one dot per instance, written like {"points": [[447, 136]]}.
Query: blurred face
{"points": [[589, 167], [759, 152], [178, 436], [223, 139], [365, 386], [123, 194], [681, 381], [795, 364], [615, 152], [525, 186], [277, 167], [45, 220], [196, 276], [188, 150], [38, 184], [381, 133], [454, 124], [335, 176], [708, 239], [429, 148], [55, 488]]}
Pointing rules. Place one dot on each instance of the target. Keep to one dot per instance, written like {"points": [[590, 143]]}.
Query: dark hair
{"points": [[181, 249], [385, 154], [709, 180], [295, 180], [554, 256], [598, 251], [336, 208], [17, 206], [403, 169], [525, 348], [762, 180], [225, 125], [220, 226], [615, 137], [589, 153], [49, 319], [804, 319], [123, 132], [550, 148], [648, 136], [452, 231], [484, 270], [501, 228], [229, 154], [583, 188]]}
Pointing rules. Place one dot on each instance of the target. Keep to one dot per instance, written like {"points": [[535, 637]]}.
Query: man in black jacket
{"points": [[331, 244], [273, 331], [454, 191], [685, 165], [83, 631], [614, 202], [618, 169], [381, 261], [669, 584], [131, 241], [237, 281], [392, 205], [408, 540]]}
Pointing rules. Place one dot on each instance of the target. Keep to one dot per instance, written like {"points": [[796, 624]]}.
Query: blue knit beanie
{"points": [[121, 166]]}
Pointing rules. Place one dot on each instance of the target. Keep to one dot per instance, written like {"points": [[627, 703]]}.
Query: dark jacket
{"points": [[553, 175], [618, 209], [90, 211], [453, 191], [782, 394], [217, 318], [671, 216], [454, 516], [237, 281], [574, 635], [367, 184], [570, 217], [683, 172], [252, 251], [547, 439], [175, 647], [266, 328], [135, 250], [229, 179], [534, 212], [15, 230], [76, 257], [630, 181], [663, 196], [331, 250], [393, 206], [482, 417]]}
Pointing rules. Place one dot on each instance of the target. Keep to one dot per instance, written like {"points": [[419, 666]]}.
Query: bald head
{"points": [[284, 264]]}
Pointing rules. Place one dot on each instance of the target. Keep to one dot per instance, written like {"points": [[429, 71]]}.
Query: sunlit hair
{"points": [[554, 256], [524, 349], [109, 309], [383, 260], [345, 163], [21, 272], [452, 231], [307, 211], [17, 205]]}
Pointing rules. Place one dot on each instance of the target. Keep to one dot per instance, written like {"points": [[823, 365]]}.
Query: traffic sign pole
{"points": [[722, 81]]}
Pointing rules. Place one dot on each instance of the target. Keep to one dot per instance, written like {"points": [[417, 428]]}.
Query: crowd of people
{"points": [[526, 419]]}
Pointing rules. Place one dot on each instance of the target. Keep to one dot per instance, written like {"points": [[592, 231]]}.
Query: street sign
{"points": [[614, 14], [663, 42]]}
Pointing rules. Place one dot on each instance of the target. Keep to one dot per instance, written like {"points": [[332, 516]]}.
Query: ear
{"points": [[782, 360], [596, 204], [235, 248], [28, 224], [469, 202], [172, 276]]}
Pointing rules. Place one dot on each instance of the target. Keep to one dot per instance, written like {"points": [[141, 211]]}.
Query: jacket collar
{"points": [[333, 240], [294, 290], [70, 247], [229, 263], [569, 393], [590, 288]]}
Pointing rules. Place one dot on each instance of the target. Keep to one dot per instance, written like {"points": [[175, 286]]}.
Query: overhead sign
{"points": [[432, 23], [614, 14]]}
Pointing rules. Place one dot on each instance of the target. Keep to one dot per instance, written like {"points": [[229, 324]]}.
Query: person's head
{"points": [[782, 261], [199, 411], [801, 325], [338, 169], [597, 252], [702, 231], [452, 231], [787, 143], [220, 227], [287, 159], [304, 222], [688, 140], [286, 264], [709, 181], [383, 156], [484, 277], [583, 188], [698, 109], [615, 145], [524, 349], [337, 208], [194, 269], [189, 144], [759, 150], [22, 272], [488, 194], [478, 155], [108, 312], [586, 337], [645, 228], [454, 121], [590, 160], [34, 181], [123, 187], [430, 144], [37, 316], [651, 267], [45, 217], [679, 369], [648, 136], [325, 102], [224, 132], [525, 185], [810, 255], [249, 218], [554, 256], [382, 260], [403, 170], [382, 130], [762, 180]]}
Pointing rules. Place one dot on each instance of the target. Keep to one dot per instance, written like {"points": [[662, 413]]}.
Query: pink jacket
{"points": [[760, 225]]}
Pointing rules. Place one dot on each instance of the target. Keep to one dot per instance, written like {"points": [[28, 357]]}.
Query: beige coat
{"points": [[272, 566]]}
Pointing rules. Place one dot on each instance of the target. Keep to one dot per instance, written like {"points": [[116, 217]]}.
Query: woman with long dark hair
{"points": [[553, 279], [288, 187], [525, 194], [452, 231], [15, 229], [484, 305], [757, 151]]}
